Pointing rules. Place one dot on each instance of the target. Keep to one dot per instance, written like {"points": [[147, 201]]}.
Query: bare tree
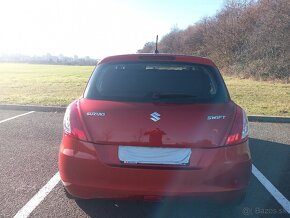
{"points": [[246, 38]]}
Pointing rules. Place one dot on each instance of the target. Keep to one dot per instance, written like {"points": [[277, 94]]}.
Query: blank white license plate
{"points": [[154, 155]]}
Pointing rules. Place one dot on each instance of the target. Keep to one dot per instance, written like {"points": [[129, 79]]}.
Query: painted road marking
{"points": [[27, 209], [42, 193], [2, 121], [280, 198]]}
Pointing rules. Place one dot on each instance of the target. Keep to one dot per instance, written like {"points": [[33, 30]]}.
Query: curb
{"points": [[251, 118], [268, 119], [32, 108]]}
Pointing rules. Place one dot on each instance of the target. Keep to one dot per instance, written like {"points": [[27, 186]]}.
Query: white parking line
{"points": [[280, 198], [27, 209], [11, 118]]}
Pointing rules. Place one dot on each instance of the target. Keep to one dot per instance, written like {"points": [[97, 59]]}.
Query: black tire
{"points": [[68, 195], [232, 202], [239, 200]]}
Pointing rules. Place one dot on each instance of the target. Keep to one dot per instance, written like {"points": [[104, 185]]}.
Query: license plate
{"points": [[154, 155]]}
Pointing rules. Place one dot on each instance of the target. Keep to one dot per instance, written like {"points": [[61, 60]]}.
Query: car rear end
{"points": [[155, 126]]}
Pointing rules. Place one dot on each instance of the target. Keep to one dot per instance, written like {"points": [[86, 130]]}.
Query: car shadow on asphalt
{"points": [[273, 160], [164, 208]]}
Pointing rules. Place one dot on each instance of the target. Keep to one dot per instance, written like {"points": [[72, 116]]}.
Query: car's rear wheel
{"points": [[231, 201], [239, 200], [69, 196]]}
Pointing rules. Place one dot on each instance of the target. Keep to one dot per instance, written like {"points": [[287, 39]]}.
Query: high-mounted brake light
{"points": [[156, 58], [72, 124], [240, 129]]}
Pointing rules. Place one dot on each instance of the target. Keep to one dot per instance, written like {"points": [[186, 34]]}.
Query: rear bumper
{"points": [[88, 171]]}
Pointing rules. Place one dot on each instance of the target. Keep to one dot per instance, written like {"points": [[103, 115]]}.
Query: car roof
{"points": [[157, 57]]}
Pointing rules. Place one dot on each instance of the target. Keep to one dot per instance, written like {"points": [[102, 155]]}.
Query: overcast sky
{"points": [[91, 27]]}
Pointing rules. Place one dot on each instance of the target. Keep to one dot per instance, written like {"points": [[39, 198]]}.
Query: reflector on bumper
{"points": [[154, 155]]}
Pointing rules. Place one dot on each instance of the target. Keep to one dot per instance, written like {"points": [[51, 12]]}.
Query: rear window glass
{"points": [[156, 82]]}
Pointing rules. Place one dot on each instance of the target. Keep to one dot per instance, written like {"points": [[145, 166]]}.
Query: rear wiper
{"points": [[172, 95]]}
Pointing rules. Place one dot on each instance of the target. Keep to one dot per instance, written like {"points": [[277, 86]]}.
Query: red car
{"points": [[152, 126]]}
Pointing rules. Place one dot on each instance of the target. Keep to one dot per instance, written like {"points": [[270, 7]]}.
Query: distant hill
{"points": [[49, 59]]}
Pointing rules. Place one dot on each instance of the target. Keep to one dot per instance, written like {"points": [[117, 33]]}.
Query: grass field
{"points": [[58, 85], [42, 84]]}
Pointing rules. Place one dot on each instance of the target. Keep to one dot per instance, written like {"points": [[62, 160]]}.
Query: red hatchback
{"points": [[152, 126]]}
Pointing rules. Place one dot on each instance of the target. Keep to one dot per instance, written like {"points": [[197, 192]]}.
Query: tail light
{"points": [[240, 129], [72, 124]]}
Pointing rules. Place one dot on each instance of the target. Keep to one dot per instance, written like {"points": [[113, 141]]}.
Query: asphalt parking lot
{"points": [[28, 160]]}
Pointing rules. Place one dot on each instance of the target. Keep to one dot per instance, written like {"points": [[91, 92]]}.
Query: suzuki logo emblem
{"points": [[155, 116]]}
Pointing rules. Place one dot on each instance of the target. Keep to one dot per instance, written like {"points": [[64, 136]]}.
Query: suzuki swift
{"points": [[152, 126]]}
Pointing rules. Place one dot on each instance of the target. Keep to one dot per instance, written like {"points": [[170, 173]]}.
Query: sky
{"points": [[93, 28]]}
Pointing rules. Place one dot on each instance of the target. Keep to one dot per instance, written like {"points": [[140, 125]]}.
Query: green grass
{"points": [[58, 85], [260, 97], [42, 84]]}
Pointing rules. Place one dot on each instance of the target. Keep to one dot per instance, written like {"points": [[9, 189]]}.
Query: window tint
{"points": [[156, 82]]}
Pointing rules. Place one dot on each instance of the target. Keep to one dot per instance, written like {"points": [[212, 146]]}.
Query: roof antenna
{"points": [[156, 49]]}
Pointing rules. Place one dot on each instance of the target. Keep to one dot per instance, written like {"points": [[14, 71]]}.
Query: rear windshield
{"points": [[157, 82]]}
